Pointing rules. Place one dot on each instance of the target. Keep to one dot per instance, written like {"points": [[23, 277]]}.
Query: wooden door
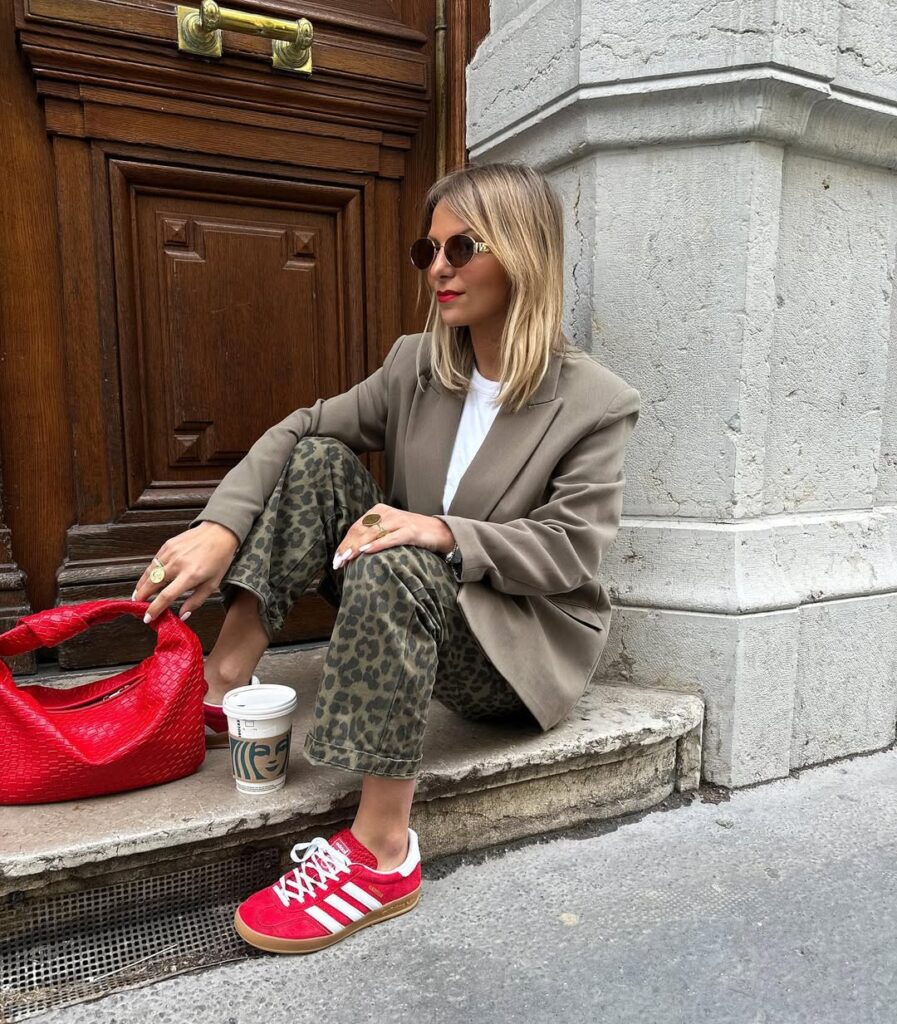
{"points": [[195, 246]]}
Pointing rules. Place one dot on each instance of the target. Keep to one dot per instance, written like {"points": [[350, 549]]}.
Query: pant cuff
{"points": [[321, 752], [271, 622]]}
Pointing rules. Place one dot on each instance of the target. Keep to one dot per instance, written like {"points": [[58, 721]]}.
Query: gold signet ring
{"points": [[157, 574], [373, 519]]}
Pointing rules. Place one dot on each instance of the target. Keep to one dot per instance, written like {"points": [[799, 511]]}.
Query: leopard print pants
{"points": [[400, 637]]}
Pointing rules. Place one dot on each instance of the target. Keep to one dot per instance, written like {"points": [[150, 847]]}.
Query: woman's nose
{"points": [[440, 264]]}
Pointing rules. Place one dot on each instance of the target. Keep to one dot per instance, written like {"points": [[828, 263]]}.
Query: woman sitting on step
{"points": [[473, 579]]}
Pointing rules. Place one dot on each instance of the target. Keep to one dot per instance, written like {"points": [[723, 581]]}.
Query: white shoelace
{"points": [[327, 862]]}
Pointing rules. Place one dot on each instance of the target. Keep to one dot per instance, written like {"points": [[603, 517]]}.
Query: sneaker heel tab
{"points": [[413, 858]]}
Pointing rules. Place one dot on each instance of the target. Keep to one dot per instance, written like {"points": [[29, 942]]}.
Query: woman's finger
{"points": [[388, 540], [196, 599], [165, 598], [141, 582], [341, 557], [144, 580], [349, 547]]}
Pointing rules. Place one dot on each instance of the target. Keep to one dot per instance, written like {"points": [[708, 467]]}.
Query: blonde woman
{"points": [[471, 580]]}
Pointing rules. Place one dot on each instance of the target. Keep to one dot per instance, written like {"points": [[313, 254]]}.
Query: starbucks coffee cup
{"points": [[260, 724]]}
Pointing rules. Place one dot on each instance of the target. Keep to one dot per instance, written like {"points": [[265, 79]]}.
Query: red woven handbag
{"points": [[140, 727]]}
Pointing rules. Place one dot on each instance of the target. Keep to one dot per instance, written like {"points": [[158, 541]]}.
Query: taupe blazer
{"points": [[533, 515]]}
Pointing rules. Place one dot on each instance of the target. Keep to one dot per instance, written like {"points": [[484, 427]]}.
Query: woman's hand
{"points": [[194, 560], [404, 528]]}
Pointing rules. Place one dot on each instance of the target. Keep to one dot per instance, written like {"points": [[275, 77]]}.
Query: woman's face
{"points": [[483, 286]]}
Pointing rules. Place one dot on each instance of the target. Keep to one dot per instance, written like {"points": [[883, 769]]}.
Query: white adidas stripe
{"points": [[330, 923], [338, 903], [344, 907], [364, 898]]}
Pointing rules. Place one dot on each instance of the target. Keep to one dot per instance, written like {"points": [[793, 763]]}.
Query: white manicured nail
{"points": [[147, 617], [186, 616], [134, 595]]}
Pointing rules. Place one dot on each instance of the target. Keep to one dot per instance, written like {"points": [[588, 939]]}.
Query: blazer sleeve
{"points": [[559, 545], [357, 417]]}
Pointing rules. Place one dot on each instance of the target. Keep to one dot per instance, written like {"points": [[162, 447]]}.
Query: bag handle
{"points": [[55, 625]]}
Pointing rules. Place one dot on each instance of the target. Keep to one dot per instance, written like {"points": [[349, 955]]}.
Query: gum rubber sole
{"points": [[273, 944]]}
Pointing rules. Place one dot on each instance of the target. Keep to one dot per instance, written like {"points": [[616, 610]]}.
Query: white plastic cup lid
{"points": [[260, 701]]}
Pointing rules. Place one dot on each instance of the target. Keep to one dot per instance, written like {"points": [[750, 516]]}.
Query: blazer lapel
{"points": [[509, 443]]}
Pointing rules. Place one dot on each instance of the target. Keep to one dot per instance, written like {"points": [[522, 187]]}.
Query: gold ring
{"points": [[157, 574], [373, 519]]}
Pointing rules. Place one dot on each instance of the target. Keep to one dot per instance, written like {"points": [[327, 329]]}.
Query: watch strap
{"points": [[454, 560]]}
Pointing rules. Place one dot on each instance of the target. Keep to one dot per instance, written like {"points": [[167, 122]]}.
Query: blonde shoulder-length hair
{"points": [[515, 209]]}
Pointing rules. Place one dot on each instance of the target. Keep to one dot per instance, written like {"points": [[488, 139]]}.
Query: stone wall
{"points": [[731, 200]]}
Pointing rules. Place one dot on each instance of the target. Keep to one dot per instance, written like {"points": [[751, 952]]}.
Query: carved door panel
{"points": [[227, 326], [231, 244]]}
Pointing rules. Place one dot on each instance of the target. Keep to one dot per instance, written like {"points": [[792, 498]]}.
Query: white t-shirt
{"points": [[476, 418]]}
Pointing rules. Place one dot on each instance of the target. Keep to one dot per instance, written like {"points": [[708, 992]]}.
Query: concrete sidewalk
{"points": [[771, 905]]}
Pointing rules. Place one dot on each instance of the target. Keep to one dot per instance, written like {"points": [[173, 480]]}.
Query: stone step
{"points": [[623, 749]]}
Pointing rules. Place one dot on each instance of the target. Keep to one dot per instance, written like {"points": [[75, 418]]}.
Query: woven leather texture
{"points": [[141, 727]]}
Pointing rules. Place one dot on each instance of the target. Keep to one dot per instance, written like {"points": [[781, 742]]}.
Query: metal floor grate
{"points": [[60, 950]]}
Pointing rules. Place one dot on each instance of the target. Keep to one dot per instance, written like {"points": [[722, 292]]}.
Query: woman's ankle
{"points": [[390, 850], [240, 644], [219, 685]]}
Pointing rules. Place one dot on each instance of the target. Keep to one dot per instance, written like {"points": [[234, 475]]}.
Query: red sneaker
{"points": [[335, 890]]}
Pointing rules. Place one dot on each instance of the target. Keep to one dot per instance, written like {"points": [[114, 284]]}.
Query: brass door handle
{"points": [[199, 32]]}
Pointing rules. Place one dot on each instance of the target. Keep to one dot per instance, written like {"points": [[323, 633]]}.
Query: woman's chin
{"points": [[452, 319]]}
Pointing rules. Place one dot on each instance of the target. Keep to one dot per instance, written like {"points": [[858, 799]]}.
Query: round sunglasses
{"points": [[459, 249]]}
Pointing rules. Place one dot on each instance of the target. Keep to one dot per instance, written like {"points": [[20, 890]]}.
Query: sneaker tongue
{"points": [[353, 848]]}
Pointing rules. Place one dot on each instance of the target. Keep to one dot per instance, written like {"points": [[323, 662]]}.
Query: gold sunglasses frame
{"points": [[478, 247]]}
